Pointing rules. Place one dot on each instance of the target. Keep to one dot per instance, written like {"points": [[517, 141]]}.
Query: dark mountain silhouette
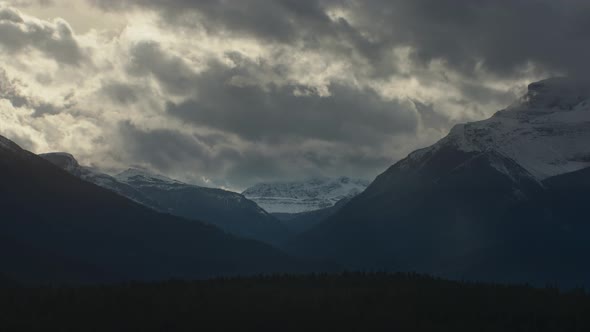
{"points": [[56, 227], [502, 199], [227, 210]]}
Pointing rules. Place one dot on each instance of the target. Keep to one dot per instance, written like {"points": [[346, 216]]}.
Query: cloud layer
{"points": [[230, 93]]}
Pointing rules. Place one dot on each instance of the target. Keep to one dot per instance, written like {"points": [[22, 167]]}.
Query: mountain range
{"points": [[504, 199], [58, 228], [227, 210], [304, 196]]}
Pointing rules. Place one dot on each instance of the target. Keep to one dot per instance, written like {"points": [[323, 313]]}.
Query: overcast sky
{"points": [[233, 92]]}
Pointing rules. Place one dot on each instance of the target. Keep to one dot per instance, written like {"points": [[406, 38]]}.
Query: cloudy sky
{"points": [[233, 92]]}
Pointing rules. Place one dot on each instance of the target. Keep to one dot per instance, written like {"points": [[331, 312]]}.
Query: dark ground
{"points": [[348, 302]]}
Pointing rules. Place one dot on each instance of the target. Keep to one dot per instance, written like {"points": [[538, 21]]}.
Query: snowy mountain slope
{"points": [[67, 162], [230, 211], [150, 184], [146, 178], [304, 196], [547, 132]]}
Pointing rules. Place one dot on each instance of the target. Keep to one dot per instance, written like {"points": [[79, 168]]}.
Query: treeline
{"points": [[346, 302]]}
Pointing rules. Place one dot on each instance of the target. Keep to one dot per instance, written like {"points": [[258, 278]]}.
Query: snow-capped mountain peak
{"points": [[547, 131], [302, 196], [145, 177]]}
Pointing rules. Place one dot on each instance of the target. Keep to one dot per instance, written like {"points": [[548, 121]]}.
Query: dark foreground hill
{"points": [[57, 228], [351, 302]]}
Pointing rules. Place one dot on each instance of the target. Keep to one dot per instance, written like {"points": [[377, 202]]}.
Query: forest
{"points": [[322, 302]]}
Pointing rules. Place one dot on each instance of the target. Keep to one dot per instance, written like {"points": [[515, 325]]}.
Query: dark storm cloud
{"points": [[120, 92], [43, 109], [56, 39], [501, 35], [254, 166], [171, 150], [275, 112], [171, 71], [279, 20], [232, 99], [161, 148], [346, 115], [175, 152]]}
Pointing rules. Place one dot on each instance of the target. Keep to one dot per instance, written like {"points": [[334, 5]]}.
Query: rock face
{"points": [[500, 199], [230, 211], [57, 228], [304, 196]]}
